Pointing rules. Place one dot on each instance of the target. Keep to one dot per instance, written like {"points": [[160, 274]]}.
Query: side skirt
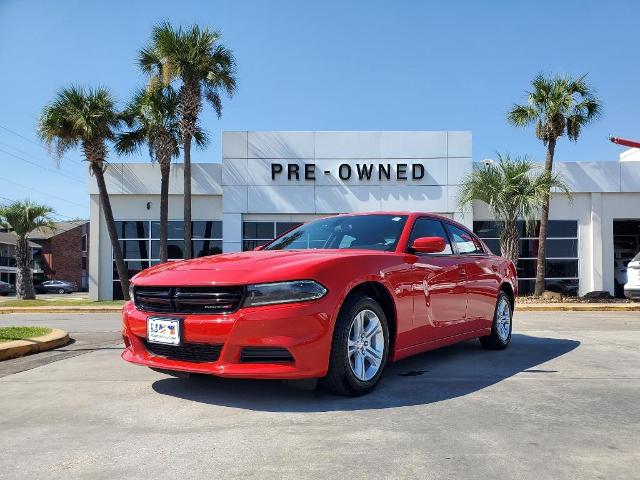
{"points": [[440, 342]]}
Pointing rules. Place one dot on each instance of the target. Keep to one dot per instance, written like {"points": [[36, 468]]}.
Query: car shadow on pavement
{"points": [[426, 378]]}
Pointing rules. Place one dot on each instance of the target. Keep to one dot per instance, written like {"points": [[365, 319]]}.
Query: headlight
{"points": [[130, 291], [283, 292]]}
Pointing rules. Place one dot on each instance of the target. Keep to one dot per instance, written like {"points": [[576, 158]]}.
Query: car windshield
{"points": [[367, 232], [636, 258]]}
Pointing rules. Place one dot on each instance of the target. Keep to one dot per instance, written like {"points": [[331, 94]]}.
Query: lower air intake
{"points": [[187, 352], [265, 355]]}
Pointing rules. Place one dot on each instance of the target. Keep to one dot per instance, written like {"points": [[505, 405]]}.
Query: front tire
{"points": [[359, 349], [502, 325], [61, 291]]}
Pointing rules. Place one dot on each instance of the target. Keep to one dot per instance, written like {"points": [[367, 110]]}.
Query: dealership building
{"points": [[268, 182]]}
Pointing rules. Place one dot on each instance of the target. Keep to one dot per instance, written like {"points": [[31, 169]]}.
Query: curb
{"points": [[19, 348]]}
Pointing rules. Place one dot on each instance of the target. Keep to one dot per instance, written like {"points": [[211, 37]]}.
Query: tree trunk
{"points": [[544, 223], [187, 196], [189, 108], [24, 275], [121, 268], [510, 242], [165, 169]]}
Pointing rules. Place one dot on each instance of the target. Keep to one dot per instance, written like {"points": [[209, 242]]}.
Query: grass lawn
{"points": [[59, 303], [20, 333]]}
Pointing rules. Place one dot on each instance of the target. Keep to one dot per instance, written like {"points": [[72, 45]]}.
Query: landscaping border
{"points": [[63, 309], [18, 348]]}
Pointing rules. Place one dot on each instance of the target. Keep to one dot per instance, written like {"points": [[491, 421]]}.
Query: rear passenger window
{"points": [[463, 240], [428, 227]]}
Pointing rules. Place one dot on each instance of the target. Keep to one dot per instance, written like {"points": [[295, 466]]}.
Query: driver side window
{"points": [[429, 227]]}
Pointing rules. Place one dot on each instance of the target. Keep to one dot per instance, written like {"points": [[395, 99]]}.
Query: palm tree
{"points": [[557, 106], [204, 67], [23, 217], [152, 117], [514, 189], [87, 118]]}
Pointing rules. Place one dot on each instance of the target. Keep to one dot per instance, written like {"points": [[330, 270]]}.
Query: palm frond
{"points": [[201, 137], [130, 142], [195, 56], [558, 105], [78, 115], [521, 115], [513, 188], [26, 216], [153, 119]]}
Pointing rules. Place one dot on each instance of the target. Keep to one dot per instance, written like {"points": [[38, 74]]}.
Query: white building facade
{"points": [[270, 181]]}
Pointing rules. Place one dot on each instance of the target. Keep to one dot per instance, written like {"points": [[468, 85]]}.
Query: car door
{"points": [[478, 269], [439, 297]]}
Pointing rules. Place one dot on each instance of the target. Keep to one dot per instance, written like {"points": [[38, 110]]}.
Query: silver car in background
{"points": [[5, 288], [56, 286]]}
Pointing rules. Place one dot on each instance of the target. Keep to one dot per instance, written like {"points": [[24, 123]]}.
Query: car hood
{"points": [[245, 267]]}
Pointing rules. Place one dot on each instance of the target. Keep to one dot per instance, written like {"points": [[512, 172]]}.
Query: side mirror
{"points": [[429, 244]]}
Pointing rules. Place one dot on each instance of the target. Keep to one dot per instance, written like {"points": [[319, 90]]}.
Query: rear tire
{"points": [[61, 291], [359, 349], [502, 325]]}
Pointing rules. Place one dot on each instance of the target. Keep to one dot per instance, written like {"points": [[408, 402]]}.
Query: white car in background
{"points": [[632, 287]]}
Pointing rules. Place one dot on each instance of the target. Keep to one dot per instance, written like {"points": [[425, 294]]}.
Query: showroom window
{"points": [[255, 234], [140, 243], [562, 253]]}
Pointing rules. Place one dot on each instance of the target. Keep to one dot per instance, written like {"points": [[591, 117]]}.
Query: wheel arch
{"points": [[507, 288], [379, 292]]}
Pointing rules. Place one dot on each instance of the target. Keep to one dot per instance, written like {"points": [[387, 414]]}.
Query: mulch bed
{"points": [[529, 299]]}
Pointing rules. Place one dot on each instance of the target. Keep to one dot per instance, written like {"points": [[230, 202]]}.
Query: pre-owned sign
{"points": [[361, 171]]}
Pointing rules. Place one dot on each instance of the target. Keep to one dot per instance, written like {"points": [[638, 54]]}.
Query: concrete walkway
{"points": [[560, 403]]}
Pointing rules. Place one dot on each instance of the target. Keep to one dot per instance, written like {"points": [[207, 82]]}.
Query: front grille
{"points": [[207, 300], [187, 352], [265, 355]]}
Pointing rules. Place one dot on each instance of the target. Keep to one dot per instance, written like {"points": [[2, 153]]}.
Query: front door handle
{"points": [[462, 272]]}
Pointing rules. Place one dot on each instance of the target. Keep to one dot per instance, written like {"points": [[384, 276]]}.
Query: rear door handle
{"points": [[462, 272]]}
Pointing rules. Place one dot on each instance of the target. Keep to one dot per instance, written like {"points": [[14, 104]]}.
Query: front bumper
{"points": [[304, 329]]}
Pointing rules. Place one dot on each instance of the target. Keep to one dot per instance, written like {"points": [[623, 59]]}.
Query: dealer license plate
{"points": [[163, 330]]}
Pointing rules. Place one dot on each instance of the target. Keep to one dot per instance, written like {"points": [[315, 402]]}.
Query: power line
{"points": [[43, 193], [31, 141], [34, 157], [42, 166], [21, 136]]}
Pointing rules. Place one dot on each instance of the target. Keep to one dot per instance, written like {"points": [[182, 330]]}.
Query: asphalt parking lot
{"points": [[562, 402]]}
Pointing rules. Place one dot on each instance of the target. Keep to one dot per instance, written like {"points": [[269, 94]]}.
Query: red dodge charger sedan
{"points": [[334, 299]]}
